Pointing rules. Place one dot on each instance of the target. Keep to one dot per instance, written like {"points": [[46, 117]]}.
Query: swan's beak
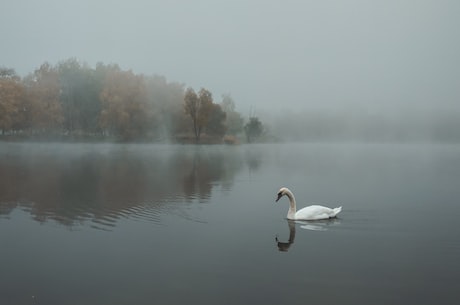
{"points": [[279, 196]]}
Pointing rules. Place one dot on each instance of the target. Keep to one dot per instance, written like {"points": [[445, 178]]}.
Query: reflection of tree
{"points": [[205, 169], [69, 184], [253, 159], [197, 182]]}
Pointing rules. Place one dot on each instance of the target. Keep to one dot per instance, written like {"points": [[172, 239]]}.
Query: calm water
{"points": [[173, 224]]}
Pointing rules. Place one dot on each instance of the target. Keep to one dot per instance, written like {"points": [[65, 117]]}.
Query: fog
{"points": [[416, 125], [269, 55]]}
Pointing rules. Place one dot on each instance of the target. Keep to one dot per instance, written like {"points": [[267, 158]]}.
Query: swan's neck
{"points": [[292, 206]]}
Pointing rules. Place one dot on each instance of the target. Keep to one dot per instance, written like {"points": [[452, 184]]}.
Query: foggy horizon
{"points": [[269, 56]]}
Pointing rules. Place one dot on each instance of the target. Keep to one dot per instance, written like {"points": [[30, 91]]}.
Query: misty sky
{"points": [[268, 54]]}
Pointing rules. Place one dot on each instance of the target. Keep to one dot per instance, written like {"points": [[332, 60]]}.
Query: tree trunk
{"points": [[196, 131]]}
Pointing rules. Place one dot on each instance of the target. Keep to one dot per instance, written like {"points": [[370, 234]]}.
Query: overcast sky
{"points": [[275, 55]]}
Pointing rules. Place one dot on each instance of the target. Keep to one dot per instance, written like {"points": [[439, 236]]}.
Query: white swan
{"points": [[313, 212]]}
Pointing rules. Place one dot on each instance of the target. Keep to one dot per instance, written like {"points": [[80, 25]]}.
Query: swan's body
{"points": [[313, 212]]}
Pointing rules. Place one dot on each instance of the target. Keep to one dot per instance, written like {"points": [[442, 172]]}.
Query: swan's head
{"points": [[283, 191]]}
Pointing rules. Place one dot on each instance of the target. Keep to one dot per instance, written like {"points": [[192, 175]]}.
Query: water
{"points": [[170, 224]]}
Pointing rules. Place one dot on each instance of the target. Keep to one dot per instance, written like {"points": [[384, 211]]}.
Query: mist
{"points": [[437, 126], [271, 56]]}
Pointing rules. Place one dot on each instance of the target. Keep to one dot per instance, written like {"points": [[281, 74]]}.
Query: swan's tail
{"points": [[337, 211]]}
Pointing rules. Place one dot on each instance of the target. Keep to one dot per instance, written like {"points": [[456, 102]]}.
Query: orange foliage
{"points": [[43, 105], [11, 101], [125, 110]]}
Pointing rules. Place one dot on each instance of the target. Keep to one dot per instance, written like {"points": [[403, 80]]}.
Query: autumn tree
{"points": [[72, 98], [44, 111], [11, 100], [253, 129], [125, 110], [198, 107]]}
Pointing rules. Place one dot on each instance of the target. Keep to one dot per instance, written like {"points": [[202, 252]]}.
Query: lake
{"points": [[184, 224]]}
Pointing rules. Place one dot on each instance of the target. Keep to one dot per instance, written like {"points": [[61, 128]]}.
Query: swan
{"points": [[313, 212]]}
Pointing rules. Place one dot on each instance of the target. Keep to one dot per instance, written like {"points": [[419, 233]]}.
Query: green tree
{"points": [[253, 129]]}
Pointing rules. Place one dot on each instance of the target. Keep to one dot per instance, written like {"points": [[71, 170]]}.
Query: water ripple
{"points": [[104, 217]]}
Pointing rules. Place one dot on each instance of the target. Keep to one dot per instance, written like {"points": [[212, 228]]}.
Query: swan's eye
{"points": [[280, 194]]}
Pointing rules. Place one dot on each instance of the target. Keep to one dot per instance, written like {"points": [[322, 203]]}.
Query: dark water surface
{"points": [[172, 224]]}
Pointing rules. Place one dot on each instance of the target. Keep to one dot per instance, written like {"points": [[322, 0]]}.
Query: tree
{"points": [[199, 107], [8, 74], [80, 89], [233, 120], [216, 122], [11, 100], [253, 129], [166, 99], [191, 108], [44, 111], [125, 110]]}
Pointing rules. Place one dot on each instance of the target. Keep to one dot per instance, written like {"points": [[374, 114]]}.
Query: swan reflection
{"points": [[318, 225], [284, 246], [315, 225]]}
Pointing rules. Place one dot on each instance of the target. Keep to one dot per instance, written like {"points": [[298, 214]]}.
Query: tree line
{"points": [[71, 99]]}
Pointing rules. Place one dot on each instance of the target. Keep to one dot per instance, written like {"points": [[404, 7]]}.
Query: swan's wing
{"points": [[315, 212]]}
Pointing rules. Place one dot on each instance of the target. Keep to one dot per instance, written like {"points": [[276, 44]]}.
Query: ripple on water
{"points": [[103, 218]]}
